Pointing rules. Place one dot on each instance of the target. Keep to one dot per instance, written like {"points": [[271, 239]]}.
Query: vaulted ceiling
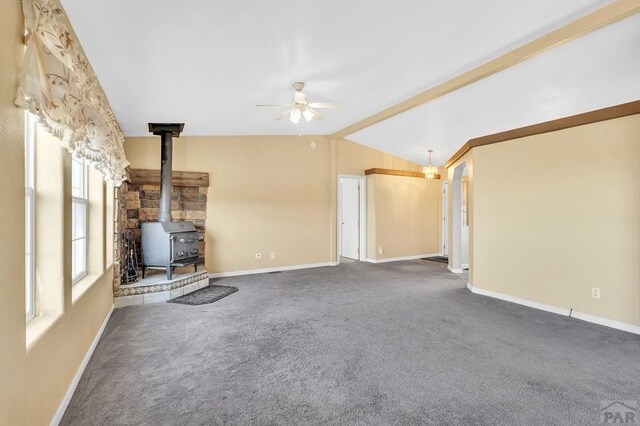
{"points": [[208, 63]]}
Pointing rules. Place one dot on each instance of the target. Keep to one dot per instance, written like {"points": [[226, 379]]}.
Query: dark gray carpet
{"points": [[369, 344], [209, 294]]}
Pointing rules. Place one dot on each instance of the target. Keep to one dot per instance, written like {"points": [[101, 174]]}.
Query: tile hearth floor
{"points": [[155, 287], [159, 277]]}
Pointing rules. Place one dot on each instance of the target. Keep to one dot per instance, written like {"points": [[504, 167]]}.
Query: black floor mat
{"points": [[209, 294], [441, 259]]}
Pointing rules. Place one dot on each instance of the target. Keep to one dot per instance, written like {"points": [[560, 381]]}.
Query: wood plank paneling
{"points": [[178, 178], [405, 173]]}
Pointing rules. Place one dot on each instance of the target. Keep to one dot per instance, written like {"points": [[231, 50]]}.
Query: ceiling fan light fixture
{"points": [[295, 116], [430, 171], [299, 98], [300, 107], [308, 115]]}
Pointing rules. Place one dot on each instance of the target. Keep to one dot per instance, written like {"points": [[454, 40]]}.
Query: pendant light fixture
{"points": [[430, 171]]}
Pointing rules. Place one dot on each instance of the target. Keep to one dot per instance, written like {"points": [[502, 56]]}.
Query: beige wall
{"points": [[403, 216], [276, 193], [402, 213], [559, 213], [13, 361], [354, 159], [267, 194], [35, 379]]}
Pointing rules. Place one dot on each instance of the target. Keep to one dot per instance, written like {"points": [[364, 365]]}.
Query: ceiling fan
{"points": [[300, 107]]}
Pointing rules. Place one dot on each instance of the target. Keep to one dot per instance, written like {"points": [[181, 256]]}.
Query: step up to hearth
{"points": [[155, 287]]}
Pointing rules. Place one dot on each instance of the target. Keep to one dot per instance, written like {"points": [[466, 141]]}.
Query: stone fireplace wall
{"points": [[138, 201], [120, 226]]}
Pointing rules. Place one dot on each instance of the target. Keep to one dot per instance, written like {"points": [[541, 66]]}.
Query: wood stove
{"points": [[167, 244]]}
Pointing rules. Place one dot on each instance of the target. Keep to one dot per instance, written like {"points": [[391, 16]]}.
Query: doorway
{"points": [[464, 226], [351, 218], [460, 220], [445, 213]]}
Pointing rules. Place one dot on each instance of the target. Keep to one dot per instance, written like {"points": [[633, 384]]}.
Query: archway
{"points": [[459, 223]]}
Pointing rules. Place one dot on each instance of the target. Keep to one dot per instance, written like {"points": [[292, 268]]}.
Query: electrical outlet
{"points": [[258, 255], [273, 255], [595, 292], [380, 250]]}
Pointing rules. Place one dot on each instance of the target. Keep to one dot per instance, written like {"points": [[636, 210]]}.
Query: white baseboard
{"points": [[396, 259], [631, 328], [267, 270], [530, 303], [619, 325], [465, 266], [76, 379], [454, 270]]}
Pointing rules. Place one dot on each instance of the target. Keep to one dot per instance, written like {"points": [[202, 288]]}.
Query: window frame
{"points": [[30, 216], [81, 199]]}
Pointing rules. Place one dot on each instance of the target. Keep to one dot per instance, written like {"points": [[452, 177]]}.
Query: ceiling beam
{"points": [[602, 17]]}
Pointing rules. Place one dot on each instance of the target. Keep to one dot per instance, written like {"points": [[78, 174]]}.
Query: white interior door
{"points": [[350, 218]]}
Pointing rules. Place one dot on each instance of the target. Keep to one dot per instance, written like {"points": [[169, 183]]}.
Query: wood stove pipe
{"points": [[166, 131]]}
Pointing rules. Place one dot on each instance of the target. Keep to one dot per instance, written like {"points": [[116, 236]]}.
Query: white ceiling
{"points": [[595, 71], [208, 62]]}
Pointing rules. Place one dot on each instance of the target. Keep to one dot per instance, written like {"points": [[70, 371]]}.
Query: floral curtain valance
{"points": [[60, 87]]}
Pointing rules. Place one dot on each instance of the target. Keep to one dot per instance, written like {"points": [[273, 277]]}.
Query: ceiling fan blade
{"points": [[326, 105], [274, 105], [283, 115], [315, 115]]}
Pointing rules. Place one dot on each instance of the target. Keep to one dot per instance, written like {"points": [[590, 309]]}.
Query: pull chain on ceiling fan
{"points": [[300, 107]]}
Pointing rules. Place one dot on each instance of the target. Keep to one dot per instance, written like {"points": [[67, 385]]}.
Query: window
{"points": [[80, 208], [29, 210]]}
